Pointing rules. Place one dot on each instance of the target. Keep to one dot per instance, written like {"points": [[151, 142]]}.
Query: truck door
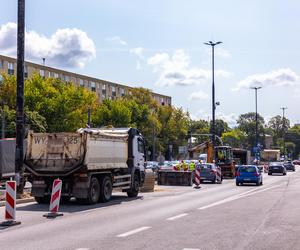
{"points": [[139, 153]]}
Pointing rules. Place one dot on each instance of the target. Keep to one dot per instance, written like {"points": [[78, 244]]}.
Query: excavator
{"points": [[223, 156]]}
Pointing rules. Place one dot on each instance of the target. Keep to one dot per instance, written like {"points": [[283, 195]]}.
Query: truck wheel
{"points": [[133, 192], [93, 191], [106, 189], [43, 200]]}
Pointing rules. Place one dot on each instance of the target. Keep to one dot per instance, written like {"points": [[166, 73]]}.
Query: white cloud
{"points": [[139, 52], [66, 47], [199, 95], [282, 78], [175, 70], [219, 52], [117, 40]]}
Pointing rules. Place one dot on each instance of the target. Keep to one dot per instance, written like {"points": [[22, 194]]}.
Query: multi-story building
{"points": [[104, 89]]}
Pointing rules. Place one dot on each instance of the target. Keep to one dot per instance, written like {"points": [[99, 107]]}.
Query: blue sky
{"points": [[159, 45]]}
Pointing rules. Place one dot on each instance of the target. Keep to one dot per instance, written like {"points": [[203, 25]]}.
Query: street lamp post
{"points": [[283, 129], [3, 120], [212, 44], [256, 122], [20, 95]]}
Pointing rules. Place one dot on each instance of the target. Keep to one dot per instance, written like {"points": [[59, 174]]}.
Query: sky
{"points": [[159, 44]]}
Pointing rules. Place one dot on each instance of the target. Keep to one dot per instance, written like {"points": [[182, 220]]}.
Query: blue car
{"points": [[248, 174]]}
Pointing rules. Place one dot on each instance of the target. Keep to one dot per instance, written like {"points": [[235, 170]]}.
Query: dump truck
{"points": [[7, 159], [91, 163]]}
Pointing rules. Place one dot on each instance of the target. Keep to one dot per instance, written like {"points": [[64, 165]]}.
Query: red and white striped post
{"points": [[197, 177], [55, 199], [10, 205], [219, 175]]}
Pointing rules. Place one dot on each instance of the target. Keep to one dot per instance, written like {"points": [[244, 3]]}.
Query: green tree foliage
{"points": [[234, 138], [220, 127], [279, 126], [246, 123], [293, 136]]}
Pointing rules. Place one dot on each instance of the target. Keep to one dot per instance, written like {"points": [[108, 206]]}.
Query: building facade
{"points": [[104, 89]]}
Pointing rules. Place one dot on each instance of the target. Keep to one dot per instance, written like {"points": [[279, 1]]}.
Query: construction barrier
{"points": [[197, 178], [55, 199], [175, 178], [10, 204], [219, 175]]}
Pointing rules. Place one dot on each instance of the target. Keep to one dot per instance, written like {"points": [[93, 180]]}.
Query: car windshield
{"points": [[206, 166], [247, 169]]}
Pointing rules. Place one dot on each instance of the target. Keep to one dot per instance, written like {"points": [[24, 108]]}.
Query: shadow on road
{"points": [[73, 206]]}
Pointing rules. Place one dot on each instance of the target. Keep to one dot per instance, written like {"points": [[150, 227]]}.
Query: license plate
{"points": [[247, 179], [275, 168]]}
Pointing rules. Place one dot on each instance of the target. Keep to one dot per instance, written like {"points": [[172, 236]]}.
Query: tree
{"points": [[246, 123], [293, 135], [234, 138], [220, 127], [279, 126]]}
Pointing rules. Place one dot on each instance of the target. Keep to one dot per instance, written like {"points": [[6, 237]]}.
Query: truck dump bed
{"points": [[64, 153]]}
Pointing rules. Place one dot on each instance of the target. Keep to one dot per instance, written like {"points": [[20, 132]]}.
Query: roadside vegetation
{"points": [[52, 105]]}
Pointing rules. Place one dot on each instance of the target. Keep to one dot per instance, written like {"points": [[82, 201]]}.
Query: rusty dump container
{"points": [[175, 178]]}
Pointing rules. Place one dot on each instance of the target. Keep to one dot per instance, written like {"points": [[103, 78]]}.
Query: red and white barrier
{"points": [[55, 199], [219, 175], [197, 177], [10, 204]]}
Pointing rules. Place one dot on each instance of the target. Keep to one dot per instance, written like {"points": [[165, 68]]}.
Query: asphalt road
{"points": [[217, 216]]}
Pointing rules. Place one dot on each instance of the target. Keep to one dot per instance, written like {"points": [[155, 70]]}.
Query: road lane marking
{"points": [[82, 249], [191, 249], [235, 197], [177, 217], [133, 231]]}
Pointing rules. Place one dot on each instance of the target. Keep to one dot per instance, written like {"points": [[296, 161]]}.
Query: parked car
{"points": [[248, 174], [289, 166], [276, 167], [208, 172], [153, 165]]}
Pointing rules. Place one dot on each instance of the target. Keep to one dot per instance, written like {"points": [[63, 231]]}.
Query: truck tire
{"points": [[105, 189], [43, 200], [93, 191], [134, 191]]}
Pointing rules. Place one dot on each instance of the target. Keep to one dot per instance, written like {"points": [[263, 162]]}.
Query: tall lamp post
{"points": [[256, 122], [283, 129], [20, 95], [213, 44]]}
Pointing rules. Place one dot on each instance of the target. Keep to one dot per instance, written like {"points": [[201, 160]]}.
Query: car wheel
{"points": [[261, 183], [257, 183], [284, 173], [214, 181], [236, 183], [269, 173]]}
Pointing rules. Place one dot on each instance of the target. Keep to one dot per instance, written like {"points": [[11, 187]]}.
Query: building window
{"points": [[93, 86], [55, 75], [25, 71], [81, 83], [42, 73], [1, 64], [10, 68], [113, 91], [49, 74], [67, 78], [122, 92]]}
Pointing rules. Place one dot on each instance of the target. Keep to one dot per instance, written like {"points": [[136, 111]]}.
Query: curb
{"points": [[19, 201]]}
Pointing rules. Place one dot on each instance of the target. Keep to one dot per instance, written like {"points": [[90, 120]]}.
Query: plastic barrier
{"points": [[197, 178], [219, 175], [10, 205], [55, 199]]}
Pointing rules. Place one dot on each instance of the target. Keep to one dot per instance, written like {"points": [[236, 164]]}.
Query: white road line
{"points": [[82, 249], [177, 216], [235, 197], [133, 231], [191, 249]]}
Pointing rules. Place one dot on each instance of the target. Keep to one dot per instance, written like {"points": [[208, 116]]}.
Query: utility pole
{"points": [[283, 129], [20, 96], [213, 129]]}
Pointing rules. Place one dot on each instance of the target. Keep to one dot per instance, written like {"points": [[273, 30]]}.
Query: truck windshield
{"points": [[223, 155]]}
